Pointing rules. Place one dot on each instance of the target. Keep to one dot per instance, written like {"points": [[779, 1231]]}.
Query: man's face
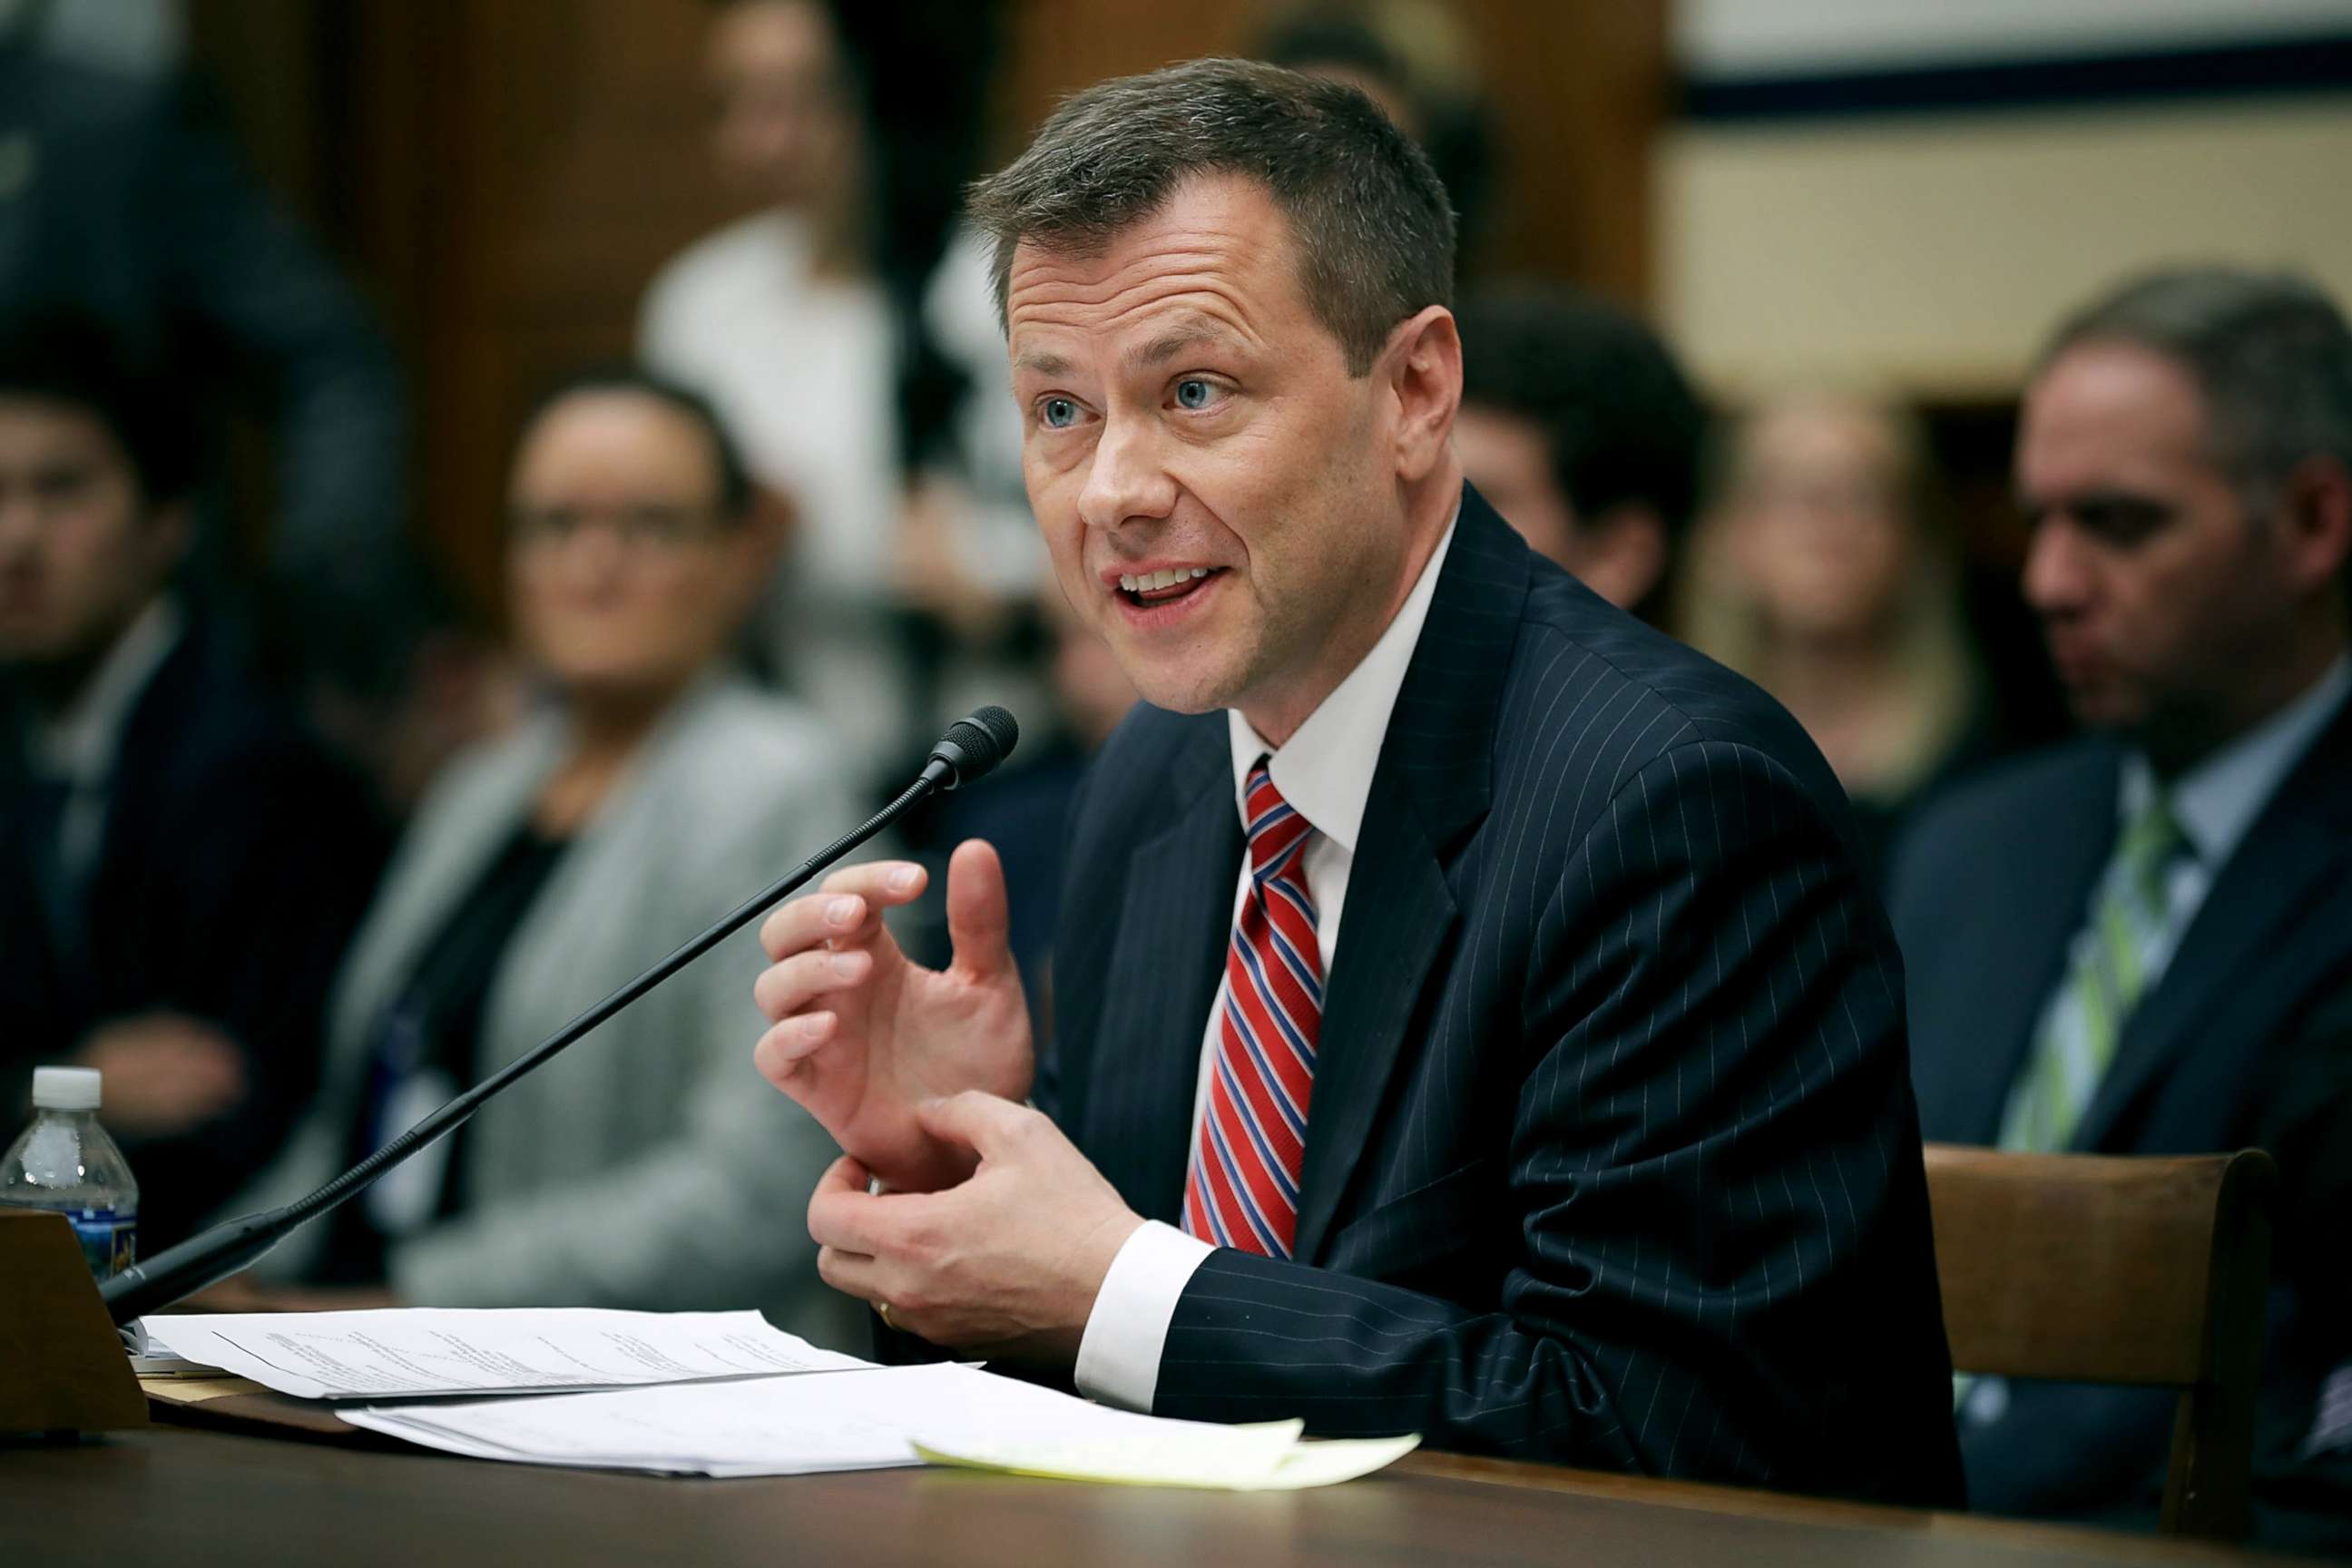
{"points": [[2162, 599], [1218, 496], [80, 553]]}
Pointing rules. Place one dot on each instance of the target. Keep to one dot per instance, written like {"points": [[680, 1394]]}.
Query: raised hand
{"points": [[862, 1035]]}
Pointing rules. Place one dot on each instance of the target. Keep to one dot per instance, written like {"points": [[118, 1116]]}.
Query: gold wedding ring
{"points": [[882, 1310]]}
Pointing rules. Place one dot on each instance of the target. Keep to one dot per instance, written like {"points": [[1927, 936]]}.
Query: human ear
{"points": [[2315, 512], [1423, 368]]}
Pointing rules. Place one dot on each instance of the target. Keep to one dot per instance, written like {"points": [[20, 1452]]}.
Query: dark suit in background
{"points": [[2245, 1039], [234, 861], [1612, 1159]]}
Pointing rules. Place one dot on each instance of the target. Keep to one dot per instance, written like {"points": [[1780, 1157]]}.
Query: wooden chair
{"points": [[2093, 1268]]}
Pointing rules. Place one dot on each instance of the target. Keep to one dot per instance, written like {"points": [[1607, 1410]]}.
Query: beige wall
{"points": [[1933, 254]]}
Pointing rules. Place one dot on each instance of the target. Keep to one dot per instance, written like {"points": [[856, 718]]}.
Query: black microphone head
{"points": [[973, 746]]}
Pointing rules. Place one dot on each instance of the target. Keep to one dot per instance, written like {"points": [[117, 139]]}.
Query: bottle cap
{"points": [[64, 1089]]}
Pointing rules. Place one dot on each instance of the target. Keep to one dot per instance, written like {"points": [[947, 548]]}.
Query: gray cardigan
{"points": [[651, 1166]]}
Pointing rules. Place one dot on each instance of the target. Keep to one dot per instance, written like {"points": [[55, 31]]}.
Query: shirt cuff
{"points": [[1119, 1358]]}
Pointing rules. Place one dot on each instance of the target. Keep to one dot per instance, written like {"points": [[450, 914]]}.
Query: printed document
{"points": [[431, 1352], [875, 1419]]}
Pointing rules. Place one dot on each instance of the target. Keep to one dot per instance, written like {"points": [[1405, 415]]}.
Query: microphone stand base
{"points": [[62, 1365]]}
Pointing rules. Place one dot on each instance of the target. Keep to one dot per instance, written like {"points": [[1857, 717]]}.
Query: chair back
{"points": [[2121, 1270]]}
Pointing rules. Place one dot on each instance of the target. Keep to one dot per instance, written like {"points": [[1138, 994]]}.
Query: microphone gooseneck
{"points": [[969, 749]]}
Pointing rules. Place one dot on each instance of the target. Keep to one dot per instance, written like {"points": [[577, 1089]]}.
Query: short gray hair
{"points": [[1375, 232], [2269, 354]]}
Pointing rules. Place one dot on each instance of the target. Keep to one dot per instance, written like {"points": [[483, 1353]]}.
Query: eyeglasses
{"points": [[639, 528]]}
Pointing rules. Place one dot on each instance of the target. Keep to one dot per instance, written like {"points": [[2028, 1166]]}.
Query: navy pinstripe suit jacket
{"points": [[1613, 1159]]}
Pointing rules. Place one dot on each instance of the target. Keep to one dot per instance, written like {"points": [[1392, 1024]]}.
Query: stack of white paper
{"points": [[719, 1394], [873, 1419], [438, 1352]]}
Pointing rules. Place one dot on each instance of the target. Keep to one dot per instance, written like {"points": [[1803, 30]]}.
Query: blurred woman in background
{"points": [[651, 789], [1825, 575]]}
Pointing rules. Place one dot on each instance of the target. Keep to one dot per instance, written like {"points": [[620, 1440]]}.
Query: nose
{"points": [[2058, 576], [1126, 479], [592, 558]]}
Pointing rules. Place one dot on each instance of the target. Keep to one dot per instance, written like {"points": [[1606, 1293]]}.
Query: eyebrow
{"points": [[1185, 335]]}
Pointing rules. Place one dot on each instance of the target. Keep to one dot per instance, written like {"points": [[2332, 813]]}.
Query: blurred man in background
{"points": [[1577, 426], [2141, 942], [121, 194], [179, 864]]}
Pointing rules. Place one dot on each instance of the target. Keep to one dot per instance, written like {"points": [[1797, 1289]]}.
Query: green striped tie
{"points": [[2104, 981]]}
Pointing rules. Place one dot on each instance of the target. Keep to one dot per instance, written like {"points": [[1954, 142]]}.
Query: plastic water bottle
{"points": [[66, 1164]]}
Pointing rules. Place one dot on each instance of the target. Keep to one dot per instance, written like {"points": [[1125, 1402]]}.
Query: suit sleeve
{"points": [[1713, 1167]]}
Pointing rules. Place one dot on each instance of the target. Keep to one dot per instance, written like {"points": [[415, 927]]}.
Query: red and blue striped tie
{"points": [[1242, 1188]]}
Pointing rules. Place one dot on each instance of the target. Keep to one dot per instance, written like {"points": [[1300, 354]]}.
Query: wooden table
{"points": [[186, 1497]]}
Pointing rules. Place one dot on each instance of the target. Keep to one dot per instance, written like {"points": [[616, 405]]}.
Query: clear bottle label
{"points": [[110, 1240]]}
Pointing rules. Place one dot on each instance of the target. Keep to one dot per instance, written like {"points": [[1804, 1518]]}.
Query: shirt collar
{"points": [[1325, 769], [2219, 799], [78, 746]]}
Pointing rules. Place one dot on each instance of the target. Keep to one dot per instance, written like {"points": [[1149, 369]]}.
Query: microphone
{"points": [[966, 753], [971, 747]]}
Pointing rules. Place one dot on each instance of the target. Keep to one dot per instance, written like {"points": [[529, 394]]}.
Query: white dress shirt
{"points": [[1325, 771]]}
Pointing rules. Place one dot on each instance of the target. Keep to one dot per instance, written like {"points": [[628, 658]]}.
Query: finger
{"points": [[980, 920], [844, 1175], [811, 922], [783, 989], [850, 1273], [877, 1225], [790, 1043], [842, 1213], [985, 1124], [884, 882]]}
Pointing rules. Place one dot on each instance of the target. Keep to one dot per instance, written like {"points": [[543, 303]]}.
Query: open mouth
{"points": [[1148, 590]]}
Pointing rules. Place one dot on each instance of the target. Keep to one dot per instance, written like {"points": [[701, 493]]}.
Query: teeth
{"points": [[1152, 582]]}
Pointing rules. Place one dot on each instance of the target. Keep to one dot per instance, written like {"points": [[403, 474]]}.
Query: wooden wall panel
{"points": [[1578, 88], [503, 176]]}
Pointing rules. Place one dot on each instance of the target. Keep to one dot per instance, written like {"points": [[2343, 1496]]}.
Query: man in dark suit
{"points": [[179, 866], [1470, 1020], [2141, 942]]}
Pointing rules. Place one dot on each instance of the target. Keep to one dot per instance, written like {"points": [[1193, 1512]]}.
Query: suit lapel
{"points": [[2066, 844], [1161, 980], [1433, 783], [2296, 849]]}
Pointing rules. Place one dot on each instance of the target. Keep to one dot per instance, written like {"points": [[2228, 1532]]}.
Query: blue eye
{"points": [[1195, 393], [1057, 412]]}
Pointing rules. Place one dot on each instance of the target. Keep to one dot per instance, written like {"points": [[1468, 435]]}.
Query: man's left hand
{"points": [[1009, 1261]]}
